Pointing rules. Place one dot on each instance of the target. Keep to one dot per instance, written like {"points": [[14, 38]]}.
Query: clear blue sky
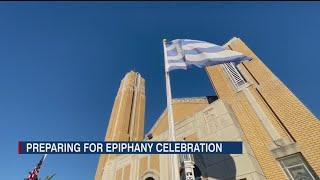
{"points": [[61, 64]]}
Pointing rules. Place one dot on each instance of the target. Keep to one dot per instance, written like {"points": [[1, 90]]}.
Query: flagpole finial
{"points": [[164, 40]]}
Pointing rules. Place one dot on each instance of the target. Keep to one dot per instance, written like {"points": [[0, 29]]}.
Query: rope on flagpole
{"points": [[174, 157]]}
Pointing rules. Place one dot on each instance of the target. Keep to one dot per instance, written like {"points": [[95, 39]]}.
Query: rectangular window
{"points": [[296, 168], [234, 75]]}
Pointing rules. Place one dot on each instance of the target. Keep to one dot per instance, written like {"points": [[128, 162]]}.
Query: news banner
{"points": [[150, 147]]}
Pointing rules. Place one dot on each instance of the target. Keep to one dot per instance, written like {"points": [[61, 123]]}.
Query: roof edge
{"points": [[209, 99]]}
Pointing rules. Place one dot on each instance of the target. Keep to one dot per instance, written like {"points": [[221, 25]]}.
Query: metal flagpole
{"points": [[34, 173], [44, 157], [174, 157]]}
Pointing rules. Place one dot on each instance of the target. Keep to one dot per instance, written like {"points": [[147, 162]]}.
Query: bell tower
{"points": [[278, 126], [126, 122]]}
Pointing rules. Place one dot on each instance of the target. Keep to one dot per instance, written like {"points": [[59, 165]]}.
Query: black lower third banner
{"points": [[141, 147]]}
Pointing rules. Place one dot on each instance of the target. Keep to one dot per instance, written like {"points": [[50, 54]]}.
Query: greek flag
{"points": [[183, 53]]}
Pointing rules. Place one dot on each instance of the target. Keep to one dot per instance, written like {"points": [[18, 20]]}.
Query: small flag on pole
{"points": [[33, 175], [183, 53]]}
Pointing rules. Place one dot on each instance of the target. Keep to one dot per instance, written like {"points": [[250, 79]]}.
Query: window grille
{"points": [[296, 168], [236, 78]]}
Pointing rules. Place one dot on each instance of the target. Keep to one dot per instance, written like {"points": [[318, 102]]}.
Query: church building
{"points": [[281, 137]]}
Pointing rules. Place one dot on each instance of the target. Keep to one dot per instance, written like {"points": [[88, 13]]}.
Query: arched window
{"points": [[150, 175], [149, 178]]}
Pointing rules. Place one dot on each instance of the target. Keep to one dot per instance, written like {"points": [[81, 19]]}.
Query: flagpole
{"points": [[174, 157], [35, 172]]}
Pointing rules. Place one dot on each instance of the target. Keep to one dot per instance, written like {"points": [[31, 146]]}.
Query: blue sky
{"points": [[61, 65]]}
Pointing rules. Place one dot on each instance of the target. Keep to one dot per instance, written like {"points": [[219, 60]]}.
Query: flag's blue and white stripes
{"points": [[182, 53]]}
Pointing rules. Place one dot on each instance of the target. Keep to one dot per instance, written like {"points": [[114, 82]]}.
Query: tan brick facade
{"points": [[214, 122], [284, 110], [264, 114], [127, 117]]}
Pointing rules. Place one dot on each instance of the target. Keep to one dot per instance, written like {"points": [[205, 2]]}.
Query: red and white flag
{"points": [[33, 175]]}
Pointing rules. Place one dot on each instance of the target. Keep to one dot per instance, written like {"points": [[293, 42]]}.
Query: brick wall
{"points": [[286, 113]]}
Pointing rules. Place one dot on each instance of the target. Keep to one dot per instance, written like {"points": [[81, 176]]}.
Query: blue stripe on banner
{"points": [[213, 49], [197, 52], [131, 147], [190, 41], [172, 52], [177, 65], [214, 61]]}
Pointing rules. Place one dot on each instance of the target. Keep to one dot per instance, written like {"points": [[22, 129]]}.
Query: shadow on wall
{"points": [[211, 99], [219, 166]]}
